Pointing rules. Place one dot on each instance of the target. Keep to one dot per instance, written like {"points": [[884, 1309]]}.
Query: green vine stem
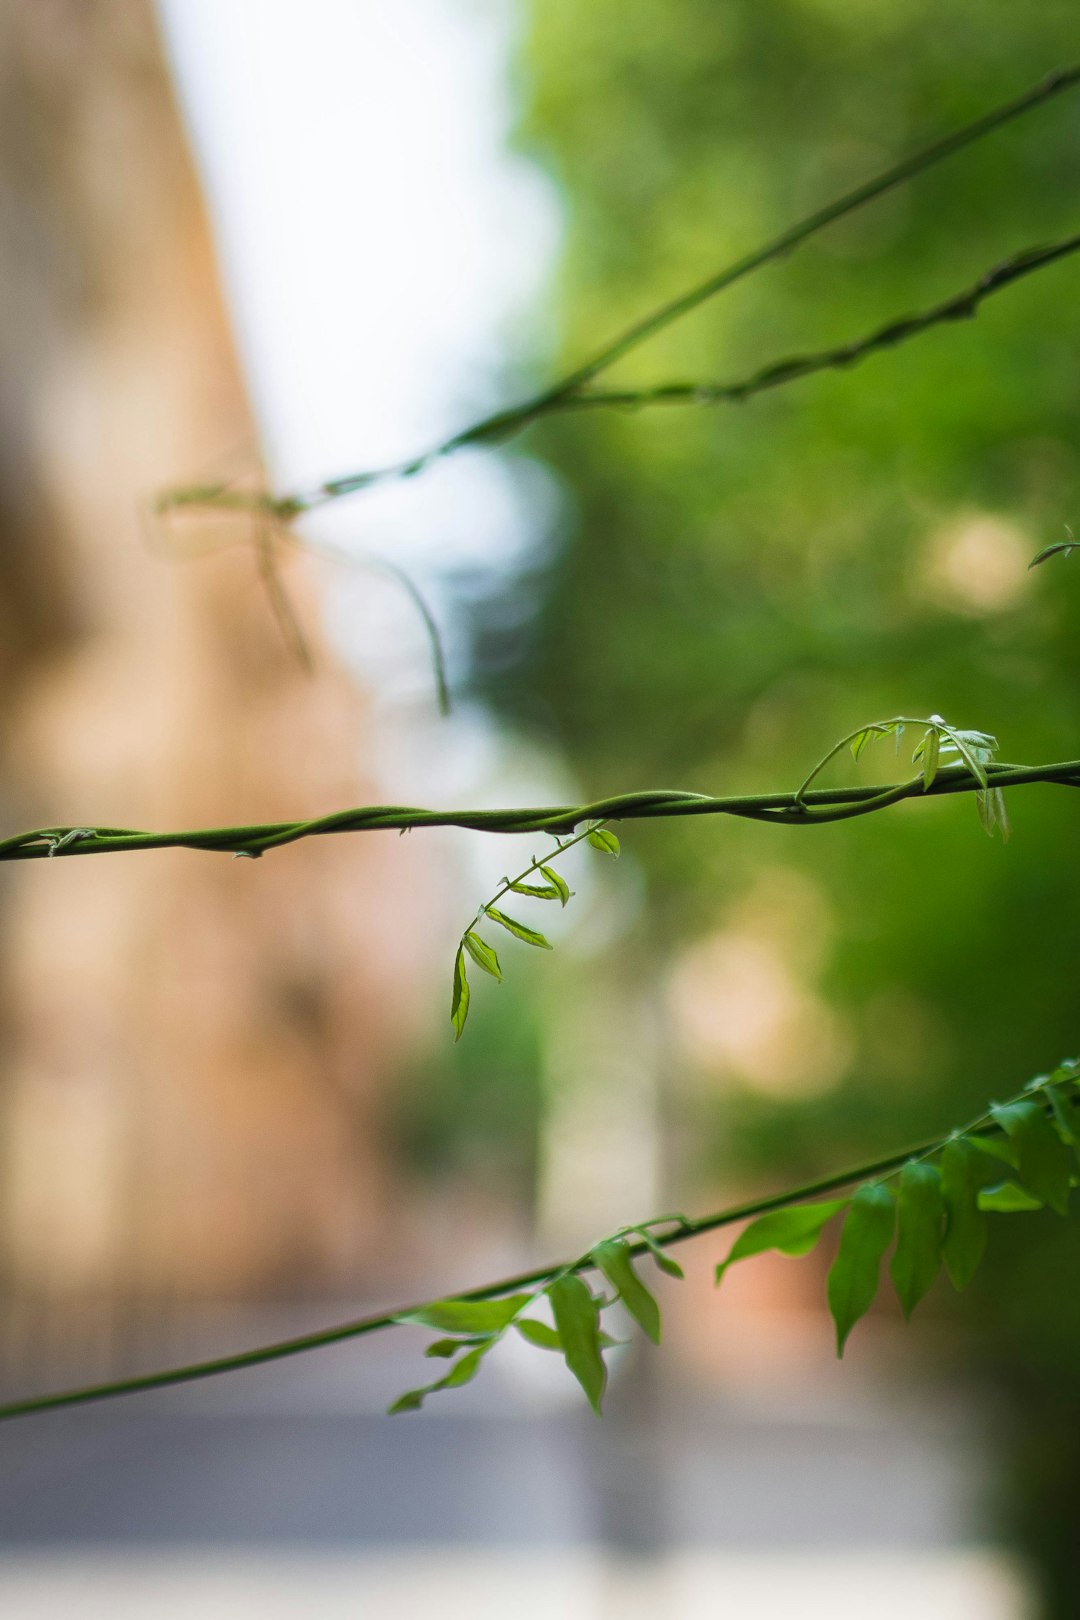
{"points": [[641, 1241], [803, 808], [569, 392]]}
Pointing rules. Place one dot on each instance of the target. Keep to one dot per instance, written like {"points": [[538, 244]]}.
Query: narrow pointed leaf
{"points": [[465, 1370], [930, 755], [536, 891], [614, 1260], [603, 839], [577, 1324], [964, 1173], [483, 955], [853, 1276], [920, 1230], [793, 1231], [411, 1401], [467, 1316], [518, 929], [1044, 1161], [459, 1006], [558, 883], [1060, 547], [538, 1333], [1065, 1115], [663, 1260]]}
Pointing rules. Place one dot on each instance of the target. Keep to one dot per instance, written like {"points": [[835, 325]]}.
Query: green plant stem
{"points": [[507, 885], [538, 1277], [789, 809], [567, 393], [961, 306]]}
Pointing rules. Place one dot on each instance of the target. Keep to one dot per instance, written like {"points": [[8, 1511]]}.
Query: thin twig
{"points": [[962, 306], [568, 393]]}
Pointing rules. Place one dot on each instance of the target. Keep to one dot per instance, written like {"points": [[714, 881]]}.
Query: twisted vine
{"points": [[572, 393]]}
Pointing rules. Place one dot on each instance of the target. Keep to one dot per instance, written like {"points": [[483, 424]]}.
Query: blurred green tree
{"points": [[737, 586]]}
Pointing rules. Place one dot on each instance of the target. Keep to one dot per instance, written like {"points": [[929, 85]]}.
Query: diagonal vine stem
{"points": [[339, 1333], [569, 392]]}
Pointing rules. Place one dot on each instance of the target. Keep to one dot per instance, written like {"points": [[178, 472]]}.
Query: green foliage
{"points": [[1017, 1157], [794, 1231], [964, 1174], [482, 954], [577, 1334], [1060, 548], [1044, 1161], [519, 929], [853, 1277], [553, 887], [577, 1322], [940, 744], [920, 1232], [459, 1006], [603, 839], [614, 1261]]}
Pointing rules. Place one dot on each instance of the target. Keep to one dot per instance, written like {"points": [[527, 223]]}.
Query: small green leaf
{"points": [[538, 1333], [998, 1147], [859, 742], [975, 748], [864, 1237], [663, 1260], [467, 1315], [1044, 1161], [576, 1321], [459, 1006], [411, 1401], [444, 1347], [615, 1262], [558, 883], [465, 1370], [990, 803], [930, 755], [920, 1230], [1063, 548], [1065, 1115], [793, 1231], [964, 1173], [603, 839], [483, 955], [536, 891], [462, 1372], [1008, 1199], [519, 930]]}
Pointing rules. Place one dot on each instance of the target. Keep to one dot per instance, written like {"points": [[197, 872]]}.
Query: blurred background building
{"points": [[249, 241]]}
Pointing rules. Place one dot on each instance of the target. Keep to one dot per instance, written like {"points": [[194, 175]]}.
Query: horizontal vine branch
{"points": [[358, 1328], [801, 809], [568, 394]]}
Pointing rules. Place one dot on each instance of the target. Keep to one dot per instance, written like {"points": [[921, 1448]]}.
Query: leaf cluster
{"points": [[932, 1209], [539, 881], [575, 1331], [1021, 1155]]}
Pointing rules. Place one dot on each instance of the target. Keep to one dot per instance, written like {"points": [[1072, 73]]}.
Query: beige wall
{"points": [[191, 1045]]}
